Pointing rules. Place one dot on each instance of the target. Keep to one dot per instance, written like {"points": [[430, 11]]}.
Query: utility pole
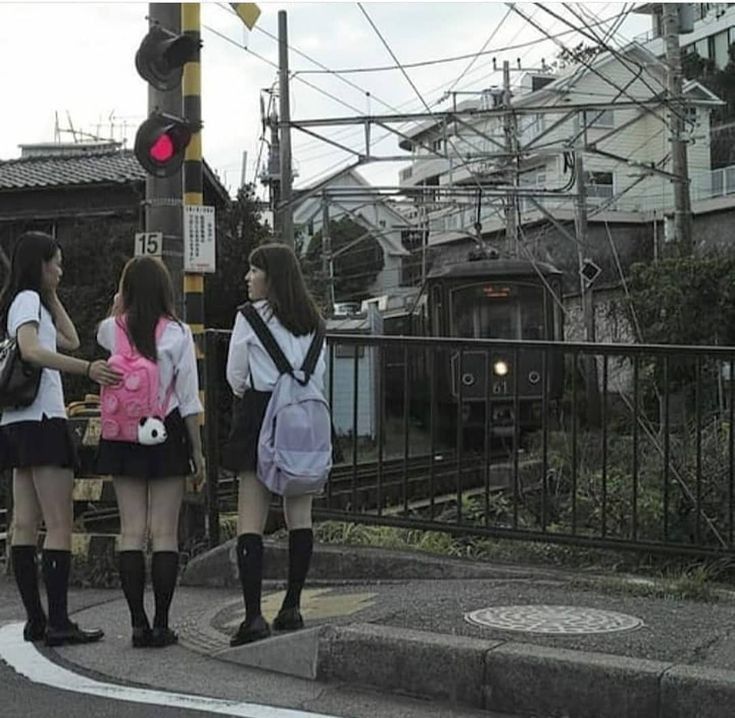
{"points": [[286, 219], [585, 286], [511, 141], [327, 260], [682, 201], [163, 195], [274, 171]]}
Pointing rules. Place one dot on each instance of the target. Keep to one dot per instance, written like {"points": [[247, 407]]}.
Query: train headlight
{"points": [[500, 368]]}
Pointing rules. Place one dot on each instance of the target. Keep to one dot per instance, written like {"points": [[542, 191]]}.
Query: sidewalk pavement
{"points": [[516, 639]]}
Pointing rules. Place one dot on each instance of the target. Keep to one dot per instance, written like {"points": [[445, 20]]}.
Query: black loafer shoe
{"points": [[34, 631], [142, 636], [256, 630], [288, 619], [162, 637], [72, 634]]}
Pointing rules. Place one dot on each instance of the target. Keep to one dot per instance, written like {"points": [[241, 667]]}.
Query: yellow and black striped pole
{"points": [[193, 179]]}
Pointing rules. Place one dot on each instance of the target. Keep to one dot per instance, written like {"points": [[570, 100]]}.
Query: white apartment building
{"points": [[624, 147]]}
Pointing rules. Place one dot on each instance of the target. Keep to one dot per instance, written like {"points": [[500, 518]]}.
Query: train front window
{"points": [[532, 313], [485, 311]]}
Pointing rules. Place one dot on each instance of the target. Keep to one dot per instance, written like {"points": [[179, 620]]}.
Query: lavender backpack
{"points": [[295, 442]]}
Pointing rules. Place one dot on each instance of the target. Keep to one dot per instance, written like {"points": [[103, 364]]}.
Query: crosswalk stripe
{"points": [[27, 661]]}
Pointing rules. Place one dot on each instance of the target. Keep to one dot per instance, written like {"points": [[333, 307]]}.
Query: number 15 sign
{"points": [[148, 244]]}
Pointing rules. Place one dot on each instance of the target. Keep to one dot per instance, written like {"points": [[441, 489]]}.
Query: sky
{"points": [[72, 65]]}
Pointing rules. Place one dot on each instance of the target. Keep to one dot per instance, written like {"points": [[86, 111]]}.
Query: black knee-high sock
{"points": [[56, 566], [164, 569], [250, 567], [132, 578], [26, 576], [300, 548]]}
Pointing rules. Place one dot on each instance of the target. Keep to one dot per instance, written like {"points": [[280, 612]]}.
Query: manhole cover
{"points": [[553, 619]]}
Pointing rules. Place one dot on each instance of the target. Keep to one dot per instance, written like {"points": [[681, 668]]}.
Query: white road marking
{"points": [[27, 661]]}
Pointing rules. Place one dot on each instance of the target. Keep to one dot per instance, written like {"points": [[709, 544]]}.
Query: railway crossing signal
{"points": [[161, 142], [162, 139], [162, 55]]}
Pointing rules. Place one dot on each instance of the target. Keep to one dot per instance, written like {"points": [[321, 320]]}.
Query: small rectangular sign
{"points": [[199, 240], [148, 244], [248, 12]]}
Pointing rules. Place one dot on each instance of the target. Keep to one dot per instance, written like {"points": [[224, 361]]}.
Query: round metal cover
{"points": [[553, 620]]}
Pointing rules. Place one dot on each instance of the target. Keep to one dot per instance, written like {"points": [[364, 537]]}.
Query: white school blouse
{"points": [[247, 356], [49, 401], [176, 362]]}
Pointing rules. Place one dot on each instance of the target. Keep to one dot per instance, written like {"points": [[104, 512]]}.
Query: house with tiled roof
{"points": [[50, 185]]}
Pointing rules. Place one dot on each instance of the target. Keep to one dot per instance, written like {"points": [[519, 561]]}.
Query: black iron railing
{"points": [[608, 445]]}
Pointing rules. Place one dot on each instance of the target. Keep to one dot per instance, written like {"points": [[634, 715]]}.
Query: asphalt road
{"points": [[181, 671]]}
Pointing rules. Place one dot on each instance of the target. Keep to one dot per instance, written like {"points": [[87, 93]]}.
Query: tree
{"points": [[239, 231], [581, 53], [686, 300], [355, 269]]}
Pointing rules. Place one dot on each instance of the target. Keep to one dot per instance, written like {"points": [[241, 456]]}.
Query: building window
{"points": [[348, 351], [437, 145], [599, 185], [601, 118]]}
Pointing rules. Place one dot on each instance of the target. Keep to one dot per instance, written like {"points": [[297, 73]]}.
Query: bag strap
{"points": [[274, 350], [315, 349], [266, 338]]}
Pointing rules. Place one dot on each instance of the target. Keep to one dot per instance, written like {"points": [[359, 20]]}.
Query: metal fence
{"points": [[617, 446]]}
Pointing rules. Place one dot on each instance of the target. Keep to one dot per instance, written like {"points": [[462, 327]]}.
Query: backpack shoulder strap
{"points": [[315, 349], [122, 344], [266, 338]]}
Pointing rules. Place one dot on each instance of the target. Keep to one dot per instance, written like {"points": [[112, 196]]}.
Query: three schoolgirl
{"points": [[149, 480]]}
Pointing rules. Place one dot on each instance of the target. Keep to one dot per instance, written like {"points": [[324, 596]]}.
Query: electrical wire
{"points": [[625, 61], [455, 58], [589, 66], [293, 75], [482, 49]]}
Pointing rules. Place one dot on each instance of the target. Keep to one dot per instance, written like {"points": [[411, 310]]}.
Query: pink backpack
{"points": [[130, 410]]}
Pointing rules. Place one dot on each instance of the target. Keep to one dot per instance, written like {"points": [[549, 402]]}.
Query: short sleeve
{"points": [[26, 308], [106, 333], [238, 356], [186, 380]]}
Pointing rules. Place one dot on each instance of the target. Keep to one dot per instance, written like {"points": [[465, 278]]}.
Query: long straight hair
{"points": [[31, 251], [286, 292], [147, 295]]}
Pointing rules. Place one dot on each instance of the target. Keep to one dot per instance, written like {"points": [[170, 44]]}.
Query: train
{"points": [[487, 298]]}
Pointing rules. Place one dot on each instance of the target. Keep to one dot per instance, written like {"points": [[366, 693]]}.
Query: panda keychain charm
{"points": [[151, 431]]}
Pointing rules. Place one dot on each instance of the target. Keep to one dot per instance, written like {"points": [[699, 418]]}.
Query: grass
{"points": [[652, 576]]}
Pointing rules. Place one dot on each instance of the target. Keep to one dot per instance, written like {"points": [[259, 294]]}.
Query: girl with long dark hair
{"points": [[35, 441], [149, 480], [277, 291]]}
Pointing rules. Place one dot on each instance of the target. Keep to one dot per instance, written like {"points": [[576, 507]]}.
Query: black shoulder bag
{"points": [[19, 380]]}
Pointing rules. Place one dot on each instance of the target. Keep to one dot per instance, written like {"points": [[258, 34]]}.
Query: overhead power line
{"points": [[455, 58]]}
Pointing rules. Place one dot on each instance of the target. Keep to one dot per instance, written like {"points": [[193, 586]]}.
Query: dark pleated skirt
{"points": [[240, 452], [48, 442], [171, 458]]}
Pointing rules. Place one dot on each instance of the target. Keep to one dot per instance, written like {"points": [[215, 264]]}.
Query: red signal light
{"points": [[162, 150], [161, 142]]}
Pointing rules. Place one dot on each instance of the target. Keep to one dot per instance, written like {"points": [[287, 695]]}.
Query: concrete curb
{"points": [[337, 563], [504, 676]]}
